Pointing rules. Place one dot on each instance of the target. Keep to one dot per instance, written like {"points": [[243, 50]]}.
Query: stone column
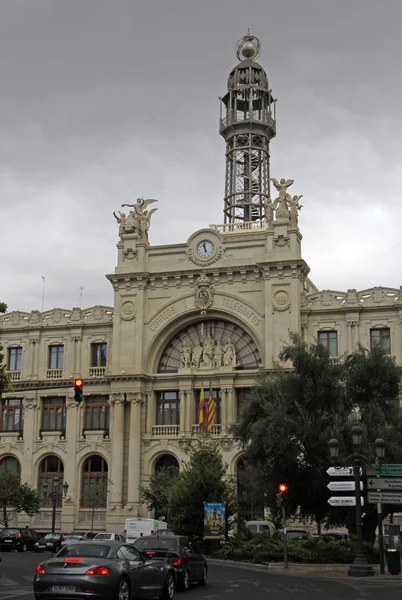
{"points": [[117, 450], [190, 411], [151, 413], [136, 400], [72, 476], [31, 412], [224, 409], [230, 407], [33, 366], [183, 411]]}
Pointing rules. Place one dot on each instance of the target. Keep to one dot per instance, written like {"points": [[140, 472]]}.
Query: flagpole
{"points": [[43, 291]]}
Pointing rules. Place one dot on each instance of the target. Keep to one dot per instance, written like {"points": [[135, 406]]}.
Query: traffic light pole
{"points": [[285, 538]]}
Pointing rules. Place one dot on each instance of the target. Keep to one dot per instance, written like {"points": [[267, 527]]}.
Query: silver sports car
{"points": [[103, 571]]}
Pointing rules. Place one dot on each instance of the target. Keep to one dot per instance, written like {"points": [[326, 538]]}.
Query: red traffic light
{"points": [[283, 488], [78, 382]]}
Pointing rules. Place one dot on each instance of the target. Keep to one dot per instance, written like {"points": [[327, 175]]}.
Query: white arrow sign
{"points": [[384, 498], [383, 483], [344, 501], [343, 486], [341, 471]]}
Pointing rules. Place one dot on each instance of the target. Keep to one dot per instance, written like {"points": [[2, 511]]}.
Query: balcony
{"points": [[241, 226], [165, 430], [95, 372], [215, 430], [54, 374], [14, 375]]}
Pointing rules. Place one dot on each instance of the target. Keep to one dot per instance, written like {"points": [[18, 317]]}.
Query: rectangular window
{"points": [[12, 414], [329, 339], [56, 357], [381, 337], [54, 414], [96, 412], [98, 355], [241, 397], [218, 402], [168, 408], [14, 362]]}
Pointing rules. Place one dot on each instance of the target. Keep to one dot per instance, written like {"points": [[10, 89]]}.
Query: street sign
{"points": [[344, 501], [340, 471], [382, 483], [385, 470], [384, 498], [343, 486]]}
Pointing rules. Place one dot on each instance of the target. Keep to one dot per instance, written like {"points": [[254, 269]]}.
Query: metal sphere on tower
{"points": [[248, 47]]}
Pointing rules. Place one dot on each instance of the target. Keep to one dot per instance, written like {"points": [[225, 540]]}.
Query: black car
{"points": [[190, 566], [16, 538], [49, 542], [103, 571]]}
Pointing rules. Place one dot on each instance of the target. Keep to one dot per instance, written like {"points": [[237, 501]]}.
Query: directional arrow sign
{"points": [[344, 501], [343, 486], [382, 483], [341, 471], [384, 498]]}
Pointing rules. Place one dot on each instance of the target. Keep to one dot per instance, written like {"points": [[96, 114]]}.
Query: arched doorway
{"points": [[94, 482], [51, 479]]}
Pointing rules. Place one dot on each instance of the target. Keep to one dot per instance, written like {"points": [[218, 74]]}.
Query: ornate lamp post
{"points": [[360, 566], [55, 496]]}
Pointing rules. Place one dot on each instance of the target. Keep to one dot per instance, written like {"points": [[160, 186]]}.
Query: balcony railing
{"points": [[165, 430], [215, 429], [97, 371], [240, 226], [54, 374], [14, 375]]}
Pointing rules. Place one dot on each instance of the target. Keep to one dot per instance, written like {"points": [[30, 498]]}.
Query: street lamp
{"points": [[360, 566], [55, 496]]}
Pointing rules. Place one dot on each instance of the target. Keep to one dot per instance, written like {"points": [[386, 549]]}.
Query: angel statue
{"points": [[295, 206], [139, 219], [281, 202], [121, 219]]}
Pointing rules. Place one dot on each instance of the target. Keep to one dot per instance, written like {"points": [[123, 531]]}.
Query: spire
{"points": [[247, 122]]}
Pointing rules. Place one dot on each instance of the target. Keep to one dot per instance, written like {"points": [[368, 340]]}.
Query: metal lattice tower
{"points": [[248, 123]]}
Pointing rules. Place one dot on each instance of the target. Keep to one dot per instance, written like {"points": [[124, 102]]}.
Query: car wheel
{"points": [[184, 582], [22, 548], [204, 578], [168, 588], [123, 590]]}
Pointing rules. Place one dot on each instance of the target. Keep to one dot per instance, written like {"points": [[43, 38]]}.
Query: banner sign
{"points": [[214, 520]]}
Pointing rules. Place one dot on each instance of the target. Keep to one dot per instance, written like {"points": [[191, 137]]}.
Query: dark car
{"points": [[103, 571], [16, 538], [49, 542], [190, 566]]}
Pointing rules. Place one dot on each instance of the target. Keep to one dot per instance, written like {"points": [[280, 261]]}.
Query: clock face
{"points": [[205, 249]]}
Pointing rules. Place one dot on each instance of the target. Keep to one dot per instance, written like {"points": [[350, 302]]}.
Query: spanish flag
{"points": [[211, 408], [203, 410]]}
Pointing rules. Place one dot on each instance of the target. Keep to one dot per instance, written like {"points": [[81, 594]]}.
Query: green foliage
{"points": [[95, 496], [203, 479], [156, 494], [16, 495]]}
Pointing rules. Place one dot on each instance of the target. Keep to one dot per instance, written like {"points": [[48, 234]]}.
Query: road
{"points": [[233, 583]]}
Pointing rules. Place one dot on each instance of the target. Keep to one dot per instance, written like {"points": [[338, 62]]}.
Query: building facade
{"points": [[207, 314]]}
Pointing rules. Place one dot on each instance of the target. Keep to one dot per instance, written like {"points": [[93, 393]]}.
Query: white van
{"points": [[135, 528], [266, 527]]}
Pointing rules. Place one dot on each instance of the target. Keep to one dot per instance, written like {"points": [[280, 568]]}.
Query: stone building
{"points": [[211, 312]]}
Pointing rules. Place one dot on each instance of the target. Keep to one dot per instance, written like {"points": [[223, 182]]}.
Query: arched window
{"points": [[94, 482], [11, 464], [166, 461], [51, 479]]}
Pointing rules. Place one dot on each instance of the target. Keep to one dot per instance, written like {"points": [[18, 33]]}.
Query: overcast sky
{"points": [[104, 101]]}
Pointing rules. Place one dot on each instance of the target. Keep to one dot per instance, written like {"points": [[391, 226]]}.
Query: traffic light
{"points": [[282, 496], [78, 390]]}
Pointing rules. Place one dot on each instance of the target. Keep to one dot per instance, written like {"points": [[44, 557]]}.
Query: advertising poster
{"points": [[214, 521]]}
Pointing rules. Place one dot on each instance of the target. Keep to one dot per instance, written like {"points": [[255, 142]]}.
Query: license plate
{"points": [[8, 541], [63, 588], [42, 546]]}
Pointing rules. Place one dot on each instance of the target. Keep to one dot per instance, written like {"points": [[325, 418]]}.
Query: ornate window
{"points": [[98, 354], [56, 357], [14, 359], [241, 397], [12, 414], [11, 464], [97, 413], [51, 473], [168, 408], [54, 414], [203, 345], [218, 404], [381, 337], [329, 339], [94, 482]]}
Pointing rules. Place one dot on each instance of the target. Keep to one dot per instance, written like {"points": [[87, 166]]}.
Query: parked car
{"points": [[78, 536], [51, 542], [108, 569], [298, 534], [190, 566], [333, 536], [16, 538], [265, 527], [116, 537]]}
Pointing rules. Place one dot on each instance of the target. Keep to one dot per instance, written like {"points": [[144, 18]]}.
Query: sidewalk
{"points": [[319, 570]]}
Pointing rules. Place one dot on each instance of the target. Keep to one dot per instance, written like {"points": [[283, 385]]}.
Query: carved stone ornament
{"points": [[227, 444], [134, 397], [137, 222], [281, 300], [378, 295], [30, 403], [71, 403], [352, 298], [204, 294], [116, 398], [128, 310], [326, 298]]}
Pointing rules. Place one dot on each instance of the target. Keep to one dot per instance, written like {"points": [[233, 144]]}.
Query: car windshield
{"points": [[10, 532], [155, 543], [92, 549], [103, 536]]}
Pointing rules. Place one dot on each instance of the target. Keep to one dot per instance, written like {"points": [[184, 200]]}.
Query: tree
{"points": [[203, 479], [95, 496], [4, 380], [16, 495], [156, 494]]}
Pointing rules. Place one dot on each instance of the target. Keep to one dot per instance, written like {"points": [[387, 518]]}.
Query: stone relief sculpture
{"points": [[204, 294], [208, 354], [185, 356], [295, 206], [229, 354], [138, 220], [284, 205]]}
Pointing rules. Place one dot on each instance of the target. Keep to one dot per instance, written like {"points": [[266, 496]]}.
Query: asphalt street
{"points": [[231, 582]]}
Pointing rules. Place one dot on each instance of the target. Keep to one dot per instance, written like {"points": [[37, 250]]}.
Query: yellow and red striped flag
{"points": [[211, 408], [203, 418]]}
